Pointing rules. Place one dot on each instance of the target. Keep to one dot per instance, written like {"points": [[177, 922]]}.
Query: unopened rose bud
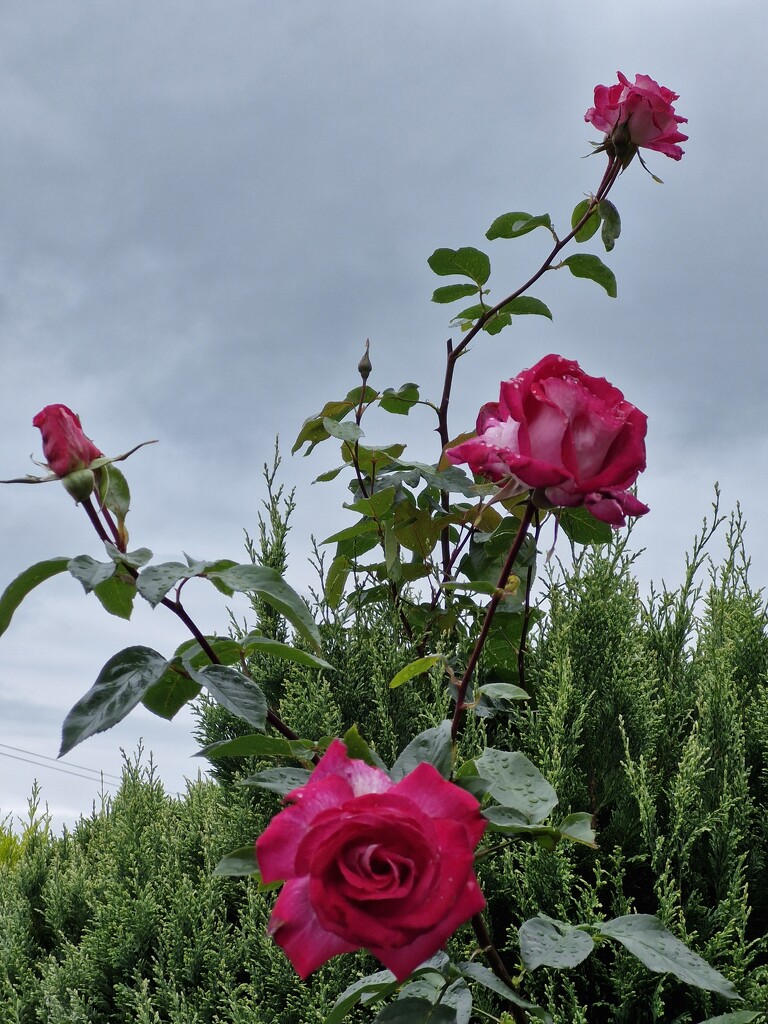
{"points": [[365, 366], [65, 446]]}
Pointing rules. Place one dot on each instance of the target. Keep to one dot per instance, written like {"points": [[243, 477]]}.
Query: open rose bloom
{"points": [[637, 116], [569, 436], [373, 864]]}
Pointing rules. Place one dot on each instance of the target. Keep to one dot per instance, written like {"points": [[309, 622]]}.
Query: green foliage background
{"points": [[651, 714]]}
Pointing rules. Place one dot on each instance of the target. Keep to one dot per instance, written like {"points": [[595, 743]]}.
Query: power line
{"points": [[56, 768], [44, 757]]}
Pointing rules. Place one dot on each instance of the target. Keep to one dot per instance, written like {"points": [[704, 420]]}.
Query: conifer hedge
{"points": [[653, 714]]}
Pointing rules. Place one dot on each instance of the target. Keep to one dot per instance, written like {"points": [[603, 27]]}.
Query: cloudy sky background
{"points": [[207, 207]]}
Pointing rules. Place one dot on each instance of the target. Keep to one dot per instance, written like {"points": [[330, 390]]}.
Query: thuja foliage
{"points": [[652, 713]]}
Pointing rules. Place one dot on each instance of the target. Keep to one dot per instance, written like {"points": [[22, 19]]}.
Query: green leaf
{"points": [[578, 828], [359, 750], [503, 691], [451, 479], [372, 460], [336, 579], [170, 693], [313, 431], [580, 526], [647, 938], [136, 559], [235, 692], [527, 305], [360, 529], [392, 555], [403, 400], [349, 432], [488, 553], [611, 224], [238, 863], [593, 268], [737, 1017], [548, 943], [119, 687], [330, 474], [227, 651], [451, 292], [375, 506], [89, 572], [416, 1011], [431, 986], [471, 313], [497, 323], [257, 745], [116, 594], [514, 225], [485, 977], [117, 495], [509, 822], [274, 649], [278, 780], [416, 668], [25, 582], [372, 988], [433, 746], [267, 584], [467, 262], [591, 226], [154, 582], [517, 783]]}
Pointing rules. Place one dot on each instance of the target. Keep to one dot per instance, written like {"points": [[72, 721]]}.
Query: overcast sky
{"points": [[207, 207]]}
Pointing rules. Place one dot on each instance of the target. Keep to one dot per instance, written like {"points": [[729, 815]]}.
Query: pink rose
{"points": [[571, 436], [65, 446], [372, 864], [634, 116]]}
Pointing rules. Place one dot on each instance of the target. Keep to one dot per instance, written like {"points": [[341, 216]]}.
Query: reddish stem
{"points": [[490, 611]]}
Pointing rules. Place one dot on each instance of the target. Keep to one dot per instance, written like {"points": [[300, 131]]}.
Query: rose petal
{"points": [[438, 798], [296, 928], [277, 846], [404, 960]]}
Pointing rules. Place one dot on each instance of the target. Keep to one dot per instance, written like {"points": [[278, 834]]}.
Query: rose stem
{"points": [[178, 609], [490, 611], [497, 964], [527, 613], [612, 172]]}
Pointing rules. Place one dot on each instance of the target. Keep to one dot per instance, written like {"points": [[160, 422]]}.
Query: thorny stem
{"points": [[490, 611]]}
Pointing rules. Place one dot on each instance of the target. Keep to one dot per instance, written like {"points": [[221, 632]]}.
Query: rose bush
{"points": [[639, 115], [372, 864], [65, 446], [571, 436]]}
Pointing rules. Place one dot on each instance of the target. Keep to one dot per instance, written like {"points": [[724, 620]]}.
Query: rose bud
{"points": [[68, 452]]}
